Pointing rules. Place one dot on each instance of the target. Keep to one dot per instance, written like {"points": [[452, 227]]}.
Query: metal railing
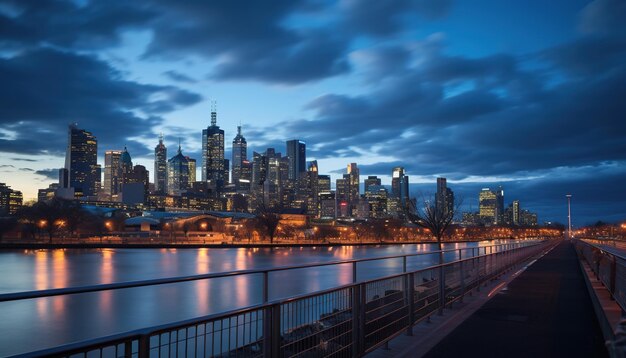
{"points": [[607, 264], [349, 320]]}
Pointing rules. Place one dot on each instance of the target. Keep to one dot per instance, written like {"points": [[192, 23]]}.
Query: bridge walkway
{"points": [[546, 311]]}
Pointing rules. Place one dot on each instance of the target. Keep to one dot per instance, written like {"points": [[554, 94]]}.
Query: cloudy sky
{"points": [[530, 95]]}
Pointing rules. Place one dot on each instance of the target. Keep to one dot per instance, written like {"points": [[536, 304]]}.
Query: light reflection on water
{"points": [[40, 323]]}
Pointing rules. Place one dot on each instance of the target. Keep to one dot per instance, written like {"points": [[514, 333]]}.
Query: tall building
{"points": [[296, 152], [323, 183], [10, 200], [400, 187], [487, 206], [192, 170], [160, 167], [353, 183], [245, 177], [177, 174], [240, 155], [499, 206], [112, 173], [444, 198], [213, 153], [371, 180], [516, 212], [81, 162]]}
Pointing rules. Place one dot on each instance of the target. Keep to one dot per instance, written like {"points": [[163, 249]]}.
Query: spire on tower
{"points": [[161, 138], [213, 113], [179, 148], [239, 130]]}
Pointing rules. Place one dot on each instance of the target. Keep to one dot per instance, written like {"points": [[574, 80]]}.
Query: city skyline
{"points": [[539, 120]]}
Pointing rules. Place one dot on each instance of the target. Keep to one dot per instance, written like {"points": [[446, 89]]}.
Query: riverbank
{"points": [[195, 245]]}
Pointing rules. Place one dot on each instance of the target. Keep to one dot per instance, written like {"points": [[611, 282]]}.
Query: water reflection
{"points": [[72, 318]]}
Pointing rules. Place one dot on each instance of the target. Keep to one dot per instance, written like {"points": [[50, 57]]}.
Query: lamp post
{"points": [[569, 216]]}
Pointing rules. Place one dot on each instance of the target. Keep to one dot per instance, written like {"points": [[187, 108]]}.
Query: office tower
{"points": [[136, 186], [296, 152], [245, 177], [342, 196], [353, 183], [327, 205], [177, 174], [160, 167], [323, 183], [444, 198], [81, 162], [192, 170], [213, 152], [47, 194], [240, 155], [516, 212], [371, 180], [499, 206], [400, 187], [377, 196], [112, 173], [307, 191], [487, 206], [10, 200]]}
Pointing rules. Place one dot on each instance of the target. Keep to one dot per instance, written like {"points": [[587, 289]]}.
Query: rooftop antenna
{"points": [[161, 137], [179, 149], [213, 113]]}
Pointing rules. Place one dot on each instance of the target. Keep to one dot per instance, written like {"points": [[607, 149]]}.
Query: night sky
{"points": [[530, 95]]}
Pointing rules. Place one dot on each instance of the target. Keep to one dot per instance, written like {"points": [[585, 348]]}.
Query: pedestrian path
{"points": [[544, 312]]}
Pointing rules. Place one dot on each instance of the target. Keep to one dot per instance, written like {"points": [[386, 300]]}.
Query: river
{"points": [[35, 324]]}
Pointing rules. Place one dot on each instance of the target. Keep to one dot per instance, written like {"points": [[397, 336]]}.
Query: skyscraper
{"points": [[160, 167], [371, 180], [126, 166], [444, 199], [112, 172], [353, 183], [516, 212], [192, 170], [296, 152], [487, 206], [400, 187], [213, 152], [499, 206], [177, 174], [81, 162], [240, 155]]}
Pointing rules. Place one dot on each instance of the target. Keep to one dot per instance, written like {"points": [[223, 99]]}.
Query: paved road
{"points": [[545, 312]]}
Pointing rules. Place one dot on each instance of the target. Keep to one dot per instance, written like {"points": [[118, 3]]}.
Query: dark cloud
{"points": [[46, 89], [24, 159], [27, 170], [604, 17], [178, 77], [69, 24], [388, 17], [52, 174]]}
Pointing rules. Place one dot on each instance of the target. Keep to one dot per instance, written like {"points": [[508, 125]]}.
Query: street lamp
{"points": [[569, 216]]}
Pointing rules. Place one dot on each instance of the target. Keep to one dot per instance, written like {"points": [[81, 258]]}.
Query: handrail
{"points": [[596, 245], [14, 296], [86, 345]]}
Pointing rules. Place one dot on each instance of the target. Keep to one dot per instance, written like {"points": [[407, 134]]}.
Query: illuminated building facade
{"points": [[177, 174], [112, 173], [239, 155], [296, 152], [487, 206], [81, 162], [160, 167], [213, 153], [10, 200]]}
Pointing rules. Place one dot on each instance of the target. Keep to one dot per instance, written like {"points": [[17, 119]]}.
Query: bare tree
{"points": [[267, 221], [436, 219]]}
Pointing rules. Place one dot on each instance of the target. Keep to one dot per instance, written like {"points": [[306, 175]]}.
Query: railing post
{"points": [[460, 254], [404, 264], [353, 271], [462, 276], [410, 281], [271, 331], [266, 292], [442, 289], [612, 278], [144, 346], [356, 321]]}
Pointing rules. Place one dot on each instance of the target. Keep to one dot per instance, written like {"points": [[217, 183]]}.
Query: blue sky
{"points": [[526, 95]]}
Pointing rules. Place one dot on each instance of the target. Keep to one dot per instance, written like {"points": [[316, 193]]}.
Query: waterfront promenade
{"points": [[546, 311]]}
